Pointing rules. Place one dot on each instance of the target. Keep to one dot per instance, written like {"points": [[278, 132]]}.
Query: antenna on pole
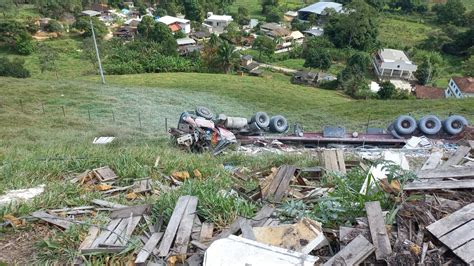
{"points": [[92, 13]]}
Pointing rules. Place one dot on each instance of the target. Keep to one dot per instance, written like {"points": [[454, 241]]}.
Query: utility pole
{"points": [[92, 13]]}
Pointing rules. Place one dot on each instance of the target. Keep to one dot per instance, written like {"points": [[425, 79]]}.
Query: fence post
{"points": [[89, 113], [166, 124], [113, 116], [140, 120], [42, 108], [64, 112], [21, 105]]}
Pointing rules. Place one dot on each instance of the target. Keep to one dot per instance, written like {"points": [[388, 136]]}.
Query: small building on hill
{"points": [[217, 23], [460, 87], [391, 63], [126, 32], [275, 30], [427, 92], [184, 24]]}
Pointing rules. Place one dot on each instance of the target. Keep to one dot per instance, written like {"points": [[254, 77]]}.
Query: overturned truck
{"points": [[200, 130]]}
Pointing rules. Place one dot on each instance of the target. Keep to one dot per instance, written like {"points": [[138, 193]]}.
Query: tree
{"points": [[243, 16], [313, 19], [214, 41], [24, 44], [355, 86], [356, 29], [468, 66], [318, 58], [264, 45], [55, 8], [193, 10], [227, 56], [274, 14], [387, 90], [160, 12], [15, 36], [268, 4], [232, 33], [425, 72], [359, 63], [83, 24], [47, 58], [451, 12], [8, 7], [145, 26], [161, 34]]}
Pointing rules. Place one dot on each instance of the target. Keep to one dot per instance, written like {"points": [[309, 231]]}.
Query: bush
{"points": [[24, 44], [13, 68], [54, 26]]}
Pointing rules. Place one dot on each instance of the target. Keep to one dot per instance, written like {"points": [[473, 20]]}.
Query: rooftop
{"points": [[392, 55], [220, 18], [465, 84], [185, 41], [170, 20], [426, 92], [318, 8]]}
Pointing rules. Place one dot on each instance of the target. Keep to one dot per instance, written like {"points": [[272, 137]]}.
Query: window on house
{"points": [[398, 66]]}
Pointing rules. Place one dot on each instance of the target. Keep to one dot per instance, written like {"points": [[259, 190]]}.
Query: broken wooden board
{"points": [[333, 161], [452, 172], [303, 236], [108, 204], [347, 234], [52, 219], [455, 231], [378, 231], [104, 174], [433, 161], [142, 186], [148, 248], [138, 210], [91, 235], [207, 230], [246, 229], [172, 226], [183, 234], [353, 254], [457, 157], [433, 184], [279, 184]]}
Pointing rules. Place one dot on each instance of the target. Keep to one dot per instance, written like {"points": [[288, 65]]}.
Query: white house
{"points": [[217, 23], [318, 9], [184, 24], [390, 63], [460, 87]]}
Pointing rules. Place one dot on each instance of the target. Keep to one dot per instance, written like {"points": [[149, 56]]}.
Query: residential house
{"points": [[185, 41], [249, 66], [314, 32], [200, 36], [390, 63], [184, 24], [289, 16], [126, 32], [217, 23], [320, 9], [311, 78], [246, 60], [275, 30], [426, 92], [460, 87], [133, 22], [129, 4]]}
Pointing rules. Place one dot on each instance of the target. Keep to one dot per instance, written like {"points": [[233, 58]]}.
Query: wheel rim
{"points": [[430, 124], [406, 124]]}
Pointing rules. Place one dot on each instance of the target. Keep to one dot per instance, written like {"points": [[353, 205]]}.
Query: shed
{"points": [[318, 9], [427, 92]]}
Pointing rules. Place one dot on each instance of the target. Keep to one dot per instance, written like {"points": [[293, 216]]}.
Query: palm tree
{"points": [[226, 56]]}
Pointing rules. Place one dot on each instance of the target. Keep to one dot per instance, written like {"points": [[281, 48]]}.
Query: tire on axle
{"points": [[429, 125], [405, 125], [454, 124]]}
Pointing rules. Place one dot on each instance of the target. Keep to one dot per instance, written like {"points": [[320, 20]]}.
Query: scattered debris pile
{"points": [[201, 130]]}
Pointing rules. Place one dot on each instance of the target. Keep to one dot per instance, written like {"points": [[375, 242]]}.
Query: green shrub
{"points": [[13, 68], [54, 26]]}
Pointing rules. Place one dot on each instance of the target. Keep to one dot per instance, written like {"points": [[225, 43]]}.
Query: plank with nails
{"points": [[378, 231]]}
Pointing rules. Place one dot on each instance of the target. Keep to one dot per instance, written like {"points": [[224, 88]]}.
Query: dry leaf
{"points": [[415, 249], [131, 196], [103, 187], [13, 220], [197, 174], [393, 187], [180, 175], [172, 260]]}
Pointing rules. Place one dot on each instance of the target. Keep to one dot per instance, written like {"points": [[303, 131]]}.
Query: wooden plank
{"points": [[129, 231], [138, 210], [185, 227], [272, 188], [289, 172], [104, 234], [207, 230], [172, 227], [117, 233], [108, 204], [105, 173], [199, 245], [148, 248], [247, 231], [439, 184], [459, 236], [116, 189], [433, 161], [142, 186], [465, 252], [67, 210], [102, 250], [91, 235], [353, 254], [52, 219], [457, 157], [451, 222], [453, 172], [378, 230], [340, 161]]}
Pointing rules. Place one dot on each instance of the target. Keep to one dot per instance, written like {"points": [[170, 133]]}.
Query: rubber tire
{"points": [[429, 125], [454, 125], [261, 119], [401, 127], [204, 112], [278, 124]]}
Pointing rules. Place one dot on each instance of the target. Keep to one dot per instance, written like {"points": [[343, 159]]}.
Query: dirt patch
{"points": [[18, 248]]}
